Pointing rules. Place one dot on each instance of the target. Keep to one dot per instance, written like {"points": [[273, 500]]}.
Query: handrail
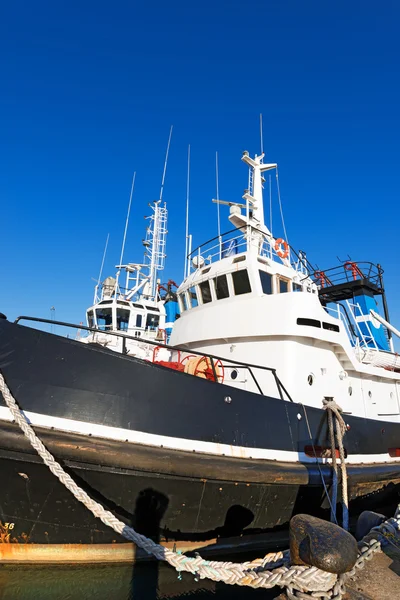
{"points": [[196, 250], [340, 274], [124, 337]]}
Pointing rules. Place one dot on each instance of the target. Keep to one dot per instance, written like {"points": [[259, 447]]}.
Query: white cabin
{"points": [[249, 298]]}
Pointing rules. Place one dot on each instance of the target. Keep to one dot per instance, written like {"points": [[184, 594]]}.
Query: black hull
{"points": [[164, 493]]}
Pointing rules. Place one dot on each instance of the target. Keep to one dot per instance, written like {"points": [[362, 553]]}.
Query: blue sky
{"points": [[90, 89]]}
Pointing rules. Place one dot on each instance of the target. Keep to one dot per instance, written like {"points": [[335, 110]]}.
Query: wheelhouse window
{"points": [[122, 319], [297, 287], [221, 287], [184, 301], [152, 321], [104, 318], [138, 320], [241, 282], [283, 285], [90, 318], [266, 282], [205, 291], [193, 296]]}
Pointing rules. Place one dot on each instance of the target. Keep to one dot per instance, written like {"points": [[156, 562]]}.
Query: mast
{"points": [[254, 195], [155, 245], [156, 236]]}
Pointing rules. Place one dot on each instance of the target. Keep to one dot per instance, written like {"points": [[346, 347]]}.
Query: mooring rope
{"points": [[338, 431], [256, 574]]}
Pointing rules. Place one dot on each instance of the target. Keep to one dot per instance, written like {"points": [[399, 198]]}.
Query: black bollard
{"points": [[321, 544], [366, 521]]}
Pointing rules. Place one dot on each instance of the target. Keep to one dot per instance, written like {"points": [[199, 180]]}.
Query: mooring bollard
{"points": [[321, 544], [366, 521]]}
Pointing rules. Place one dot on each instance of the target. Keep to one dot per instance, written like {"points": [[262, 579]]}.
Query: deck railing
{"points": [[235, 242], [227, 363]]}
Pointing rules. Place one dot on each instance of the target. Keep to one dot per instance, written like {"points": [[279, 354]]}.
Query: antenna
{"points": [[95, 299], [270, 204], [261, 134], [165, 163], [217, 197], [127, 218], [155, 242], [186, 269], [280, 204]]}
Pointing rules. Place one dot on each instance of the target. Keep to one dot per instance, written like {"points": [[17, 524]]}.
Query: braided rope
{"points": [[254, 574], [298, 580], [339, 431]]}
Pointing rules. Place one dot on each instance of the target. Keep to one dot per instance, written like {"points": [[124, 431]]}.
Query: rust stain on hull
{"points": [[13, 553], [83, 553]]}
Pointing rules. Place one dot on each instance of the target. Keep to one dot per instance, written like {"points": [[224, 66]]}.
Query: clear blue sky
{"points": [[90, 89]]}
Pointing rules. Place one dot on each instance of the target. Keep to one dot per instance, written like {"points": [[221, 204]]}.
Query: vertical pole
{"points": [[218, 209], [186, 268], [385, 306]]}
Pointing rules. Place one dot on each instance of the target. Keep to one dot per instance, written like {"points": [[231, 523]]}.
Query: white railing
{"points": [[350, 316], [234, 242]]}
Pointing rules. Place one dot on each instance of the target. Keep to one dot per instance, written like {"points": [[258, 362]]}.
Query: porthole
{"points": [[310, 379], [350, 390], [370, 394], [234, 374]]}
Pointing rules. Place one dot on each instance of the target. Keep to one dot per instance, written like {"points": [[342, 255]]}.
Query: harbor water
{"points": [[151, 581]]}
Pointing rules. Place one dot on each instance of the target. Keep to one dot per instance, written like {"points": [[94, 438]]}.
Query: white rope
{"points": [[297, 579], [338, 431]]}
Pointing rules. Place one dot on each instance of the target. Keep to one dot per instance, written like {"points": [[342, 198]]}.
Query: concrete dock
{"points": [[380, 578]]}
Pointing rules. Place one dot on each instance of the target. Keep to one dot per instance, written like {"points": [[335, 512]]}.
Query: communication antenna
{"points": [[101, 270], [186, 269], [165, 163], [217, 196], [261, 134], [127, 218], [270, 204]]}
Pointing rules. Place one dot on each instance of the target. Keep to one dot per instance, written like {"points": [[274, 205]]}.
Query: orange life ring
{"points": [[282, 253]]}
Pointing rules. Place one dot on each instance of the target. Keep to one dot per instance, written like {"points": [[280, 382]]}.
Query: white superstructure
{"points": [[249, 298], [132, 305]]}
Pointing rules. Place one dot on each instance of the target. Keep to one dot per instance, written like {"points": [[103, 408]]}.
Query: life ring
{"points": [[282, 253]]}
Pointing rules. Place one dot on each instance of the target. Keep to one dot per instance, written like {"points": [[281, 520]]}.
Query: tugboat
{"points": [[137, 310], [227, 437]]}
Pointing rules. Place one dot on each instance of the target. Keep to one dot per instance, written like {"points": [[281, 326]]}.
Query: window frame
{"points": [[223, 275], [205, 281], [280, 278], [271, 276], [233, 274], [190, 292]]}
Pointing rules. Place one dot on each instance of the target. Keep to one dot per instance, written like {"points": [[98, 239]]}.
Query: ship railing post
{"points": [[255, 380], [278, 384], [214, 369]]}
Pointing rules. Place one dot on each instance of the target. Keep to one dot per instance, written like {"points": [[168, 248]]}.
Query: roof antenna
{"points": [[270, 204], [217, 196], [165, 163], [127, 218], [186, 268], [261, 135], [101, 270]]}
